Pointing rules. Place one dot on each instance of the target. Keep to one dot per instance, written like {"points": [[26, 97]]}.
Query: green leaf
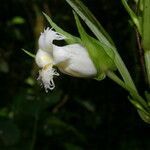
{"points": [[70, 38], [91, 22], [132, 15], [29, 53], [144, 111], [96, 50], [144, 116], [18, 20]]}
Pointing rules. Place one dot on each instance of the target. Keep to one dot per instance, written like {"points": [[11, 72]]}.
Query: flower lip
{"points": [[46, 75]]}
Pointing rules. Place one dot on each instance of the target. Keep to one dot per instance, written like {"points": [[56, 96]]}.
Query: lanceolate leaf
{"points": [[91, 21], [29, 53], [133, 16], [69, 38]]}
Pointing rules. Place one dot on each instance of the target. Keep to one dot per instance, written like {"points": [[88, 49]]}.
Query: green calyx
{"points": [[97, 52]]}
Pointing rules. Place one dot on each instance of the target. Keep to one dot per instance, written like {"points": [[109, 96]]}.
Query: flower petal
{"points": [[74, 60], [43, 58], [47, 37]]}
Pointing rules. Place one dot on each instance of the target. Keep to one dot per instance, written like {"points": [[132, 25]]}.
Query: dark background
{"points": [[79, 114]]}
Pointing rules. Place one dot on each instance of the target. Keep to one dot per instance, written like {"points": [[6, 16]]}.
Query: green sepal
{"points": [[96, 51], [69, 38], [29, 53]]}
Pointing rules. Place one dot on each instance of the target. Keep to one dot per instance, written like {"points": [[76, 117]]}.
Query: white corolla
{"points": [[71, 59]]}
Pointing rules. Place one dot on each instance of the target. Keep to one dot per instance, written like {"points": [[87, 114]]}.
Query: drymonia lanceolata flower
{"points": [[71, 59]]}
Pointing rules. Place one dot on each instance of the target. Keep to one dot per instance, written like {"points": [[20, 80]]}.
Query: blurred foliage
{"points": [[78, 114]]}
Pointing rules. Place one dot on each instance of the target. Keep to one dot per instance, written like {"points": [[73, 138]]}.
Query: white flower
{"points": [[71, 59]]}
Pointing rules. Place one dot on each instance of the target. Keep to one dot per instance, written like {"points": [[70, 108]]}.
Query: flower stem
{"points": [[146, 36], [147, 65]]}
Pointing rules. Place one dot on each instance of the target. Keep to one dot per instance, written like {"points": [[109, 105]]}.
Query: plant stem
{"points": [[147, 65], [146, 25], [146, 36]]}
